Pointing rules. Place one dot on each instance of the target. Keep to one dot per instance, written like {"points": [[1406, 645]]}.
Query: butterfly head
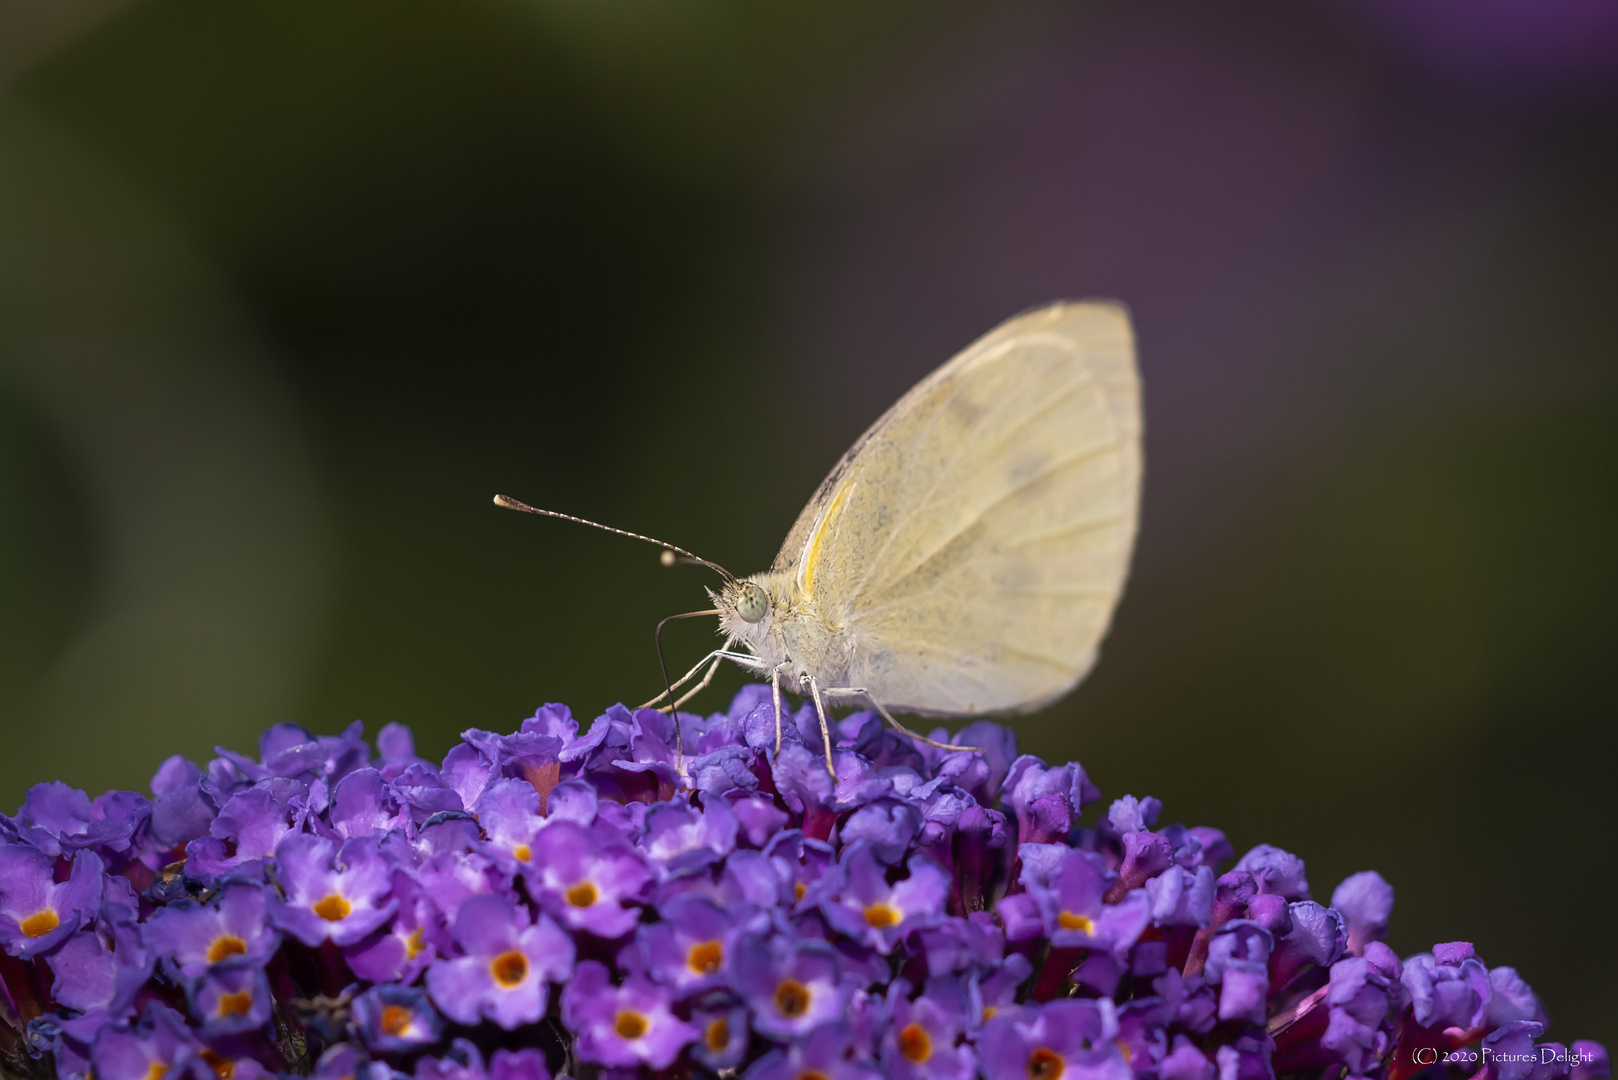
{"points": [[746, 610]]}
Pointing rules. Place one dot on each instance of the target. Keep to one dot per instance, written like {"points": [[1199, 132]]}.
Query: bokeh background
{"points": [[289, 289]]}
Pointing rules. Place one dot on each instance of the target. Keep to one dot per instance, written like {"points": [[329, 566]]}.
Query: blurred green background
{"points": [[288, 290]]}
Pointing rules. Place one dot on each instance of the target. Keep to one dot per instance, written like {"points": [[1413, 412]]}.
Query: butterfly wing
{"points": [[966, 554]]}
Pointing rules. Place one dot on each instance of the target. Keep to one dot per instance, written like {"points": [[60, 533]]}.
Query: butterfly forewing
{"points": [[965, 556]]}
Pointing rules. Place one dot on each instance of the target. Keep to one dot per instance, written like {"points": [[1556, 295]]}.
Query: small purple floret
{"points": [[36, 911], [191, 937], [336, 894], [588, 878], [1068, 1039], [396, 1019], [231, 998], [505, 967], [625, 1025], [866, 908], [792, 987]]}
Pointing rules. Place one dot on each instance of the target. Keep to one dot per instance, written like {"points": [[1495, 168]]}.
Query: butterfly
{"points": [[965, 556]]}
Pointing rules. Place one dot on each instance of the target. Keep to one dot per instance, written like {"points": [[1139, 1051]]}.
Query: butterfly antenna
{"points": [[672, 553]]}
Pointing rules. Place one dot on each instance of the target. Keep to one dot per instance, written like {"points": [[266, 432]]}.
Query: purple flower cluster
{"points": [[596, 904]]}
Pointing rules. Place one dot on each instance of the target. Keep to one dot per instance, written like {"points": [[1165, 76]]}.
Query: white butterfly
{"points": [[965, 556]]}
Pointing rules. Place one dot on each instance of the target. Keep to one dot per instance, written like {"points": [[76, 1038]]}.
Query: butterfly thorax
{"points": [[790, 631]]}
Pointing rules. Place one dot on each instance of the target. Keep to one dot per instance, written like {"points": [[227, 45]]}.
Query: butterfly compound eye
{"points": [[752, 604]]}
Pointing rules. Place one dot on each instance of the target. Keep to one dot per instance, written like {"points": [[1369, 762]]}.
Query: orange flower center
{"points": [[792, 998], [705, 957], [915, 1044], [333, 907], [225, 945], [237, 1004], [1072, 920], [629, 1025], [156, 1069], [1045, 1064], [798, 890], [414, 944], [395, 1020], [522, 853], [509, 968], [718, 1034], [882, 915], [583, 894], [222, 1067], [40, 923], [811, 1075]]}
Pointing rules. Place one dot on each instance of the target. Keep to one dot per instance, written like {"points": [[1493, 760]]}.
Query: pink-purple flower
{"points": [[396, 1019], [160, 1044], [868, 908], [722, 1038], [101, 969], [588, 878], [461, 1061], [231, 998], [691, 947], [623, 1024], [791, 985], [923, 1037], [403, 947], [506, 966], [828, 1052], [38, 912], [1061, 1040], [190, 937], [332, 893]]}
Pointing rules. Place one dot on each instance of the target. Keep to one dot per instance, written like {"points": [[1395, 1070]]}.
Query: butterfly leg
{"points": [[859, 691], [745, 660], [825, 732], [701, 686], [775, 693], [716, 656]]}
